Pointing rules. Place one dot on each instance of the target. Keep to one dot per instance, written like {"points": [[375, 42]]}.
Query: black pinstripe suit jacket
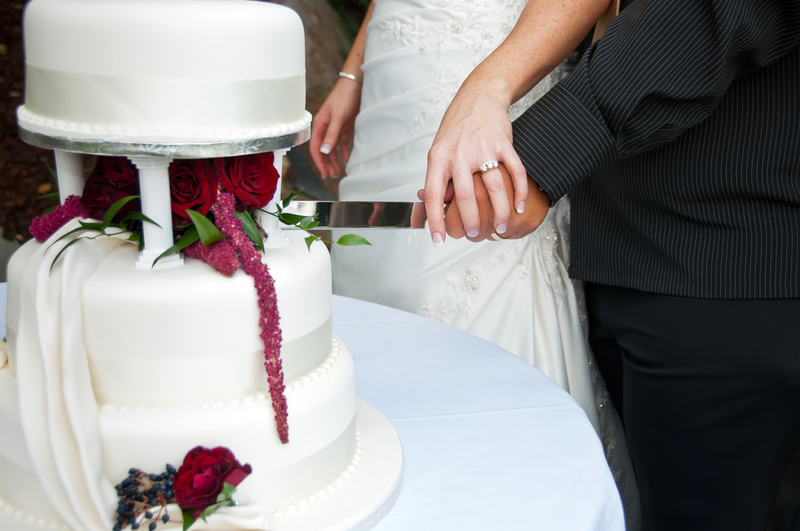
{"points": [[678, 140]]}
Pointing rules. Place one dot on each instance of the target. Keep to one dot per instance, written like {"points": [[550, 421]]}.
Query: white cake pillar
{"points": [[69, 169], [275, 236], [156, 205]]}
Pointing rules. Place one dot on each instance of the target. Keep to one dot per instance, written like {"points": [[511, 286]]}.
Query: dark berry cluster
{"points": [[144, 497]]}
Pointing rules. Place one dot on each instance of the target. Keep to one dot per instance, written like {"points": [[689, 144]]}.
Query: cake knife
{"points": [[360, 214]]}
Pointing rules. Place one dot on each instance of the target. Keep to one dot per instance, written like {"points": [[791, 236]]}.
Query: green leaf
{"points": [[311, 239], [73, 231], [52, 170], [140, 217], [115, 208], [308, 223], [52, 265], [49, 210], [187, 238], [54, 195], [227, 492], [188, 518], [291, 219], [209, 234], [85, 225], [135, 237], [251, 229], [352, 239], [288, 198]]}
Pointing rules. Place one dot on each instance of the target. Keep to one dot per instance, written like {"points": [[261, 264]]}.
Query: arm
{"points": [[476, 128], [661, 68], [335, 120]]}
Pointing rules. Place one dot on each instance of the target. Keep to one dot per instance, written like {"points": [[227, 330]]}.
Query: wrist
{"points": [[352, 77], [536, 189]]}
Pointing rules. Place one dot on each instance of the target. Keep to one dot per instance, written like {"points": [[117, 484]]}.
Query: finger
{"points": [[344, 143], [485, 209], [436, 180], [449, 193], [496, 190], [455, 229], [519, 176], [465, 197], [318, 130], [329, 144], [418, 215]]}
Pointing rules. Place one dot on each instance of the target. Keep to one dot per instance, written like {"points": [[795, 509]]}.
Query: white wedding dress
{"points": [[517, 293]]}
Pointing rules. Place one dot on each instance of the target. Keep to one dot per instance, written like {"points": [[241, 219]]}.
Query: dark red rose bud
{"points": [[201, 476], [193, 186], [252, 179], [119, 172], [99, 194]]}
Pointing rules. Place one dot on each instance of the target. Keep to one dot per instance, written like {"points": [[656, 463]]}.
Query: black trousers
{"points": [[709, 393]]}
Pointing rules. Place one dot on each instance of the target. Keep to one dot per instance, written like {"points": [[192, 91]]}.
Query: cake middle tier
{"points": [[191, 335]]}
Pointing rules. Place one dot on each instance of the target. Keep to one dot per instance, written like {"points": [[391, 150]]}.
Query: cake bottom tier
{"points": [[356, 500]]}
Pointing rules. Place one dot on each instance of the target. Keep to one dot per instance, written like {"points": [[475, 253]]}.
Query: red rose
{"points": [[199, 479], [252, 179], [119, 172], [192, 185], [99, 194]]}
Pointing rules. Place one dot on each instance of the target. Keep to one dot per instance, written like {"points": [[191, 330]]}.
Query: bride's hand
{"points": [[475, 129], [333, 125], [519, 224]]}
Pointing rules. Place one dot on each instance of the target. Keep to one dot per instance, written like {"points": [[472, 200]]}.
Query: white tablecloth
{"points": [[489, 442]]}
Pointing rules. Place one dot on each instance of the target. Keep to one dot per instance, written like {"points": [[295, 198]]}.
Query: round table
{"points": [[489, 442]]}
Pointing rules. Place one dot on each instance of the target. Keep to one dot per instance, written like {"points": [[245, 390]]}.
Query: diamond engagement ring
{"points": [[489, 165]]}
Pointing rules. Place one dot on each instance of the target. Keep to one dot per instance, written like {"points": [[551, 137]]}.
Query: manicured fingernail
{"points": [[521, 207], [325, 148], [437, 239], [501, 228], [472, 233]]}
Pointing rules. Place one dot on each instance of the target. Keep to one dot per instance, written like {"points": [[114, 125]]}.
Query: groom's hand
{"points": [[519, 225]]}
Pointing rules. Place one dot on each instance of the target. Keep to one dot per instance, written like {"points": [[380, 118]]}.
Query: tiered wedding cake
{"points": [[114, 363]]}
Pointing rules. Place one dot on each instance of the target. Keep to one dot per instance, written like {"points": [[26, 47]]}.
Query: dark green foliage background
{"points": [[352, 13]]}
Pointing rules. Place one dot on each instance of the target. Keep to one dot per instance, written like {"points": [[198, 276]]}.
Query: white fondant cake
{"points": [[155, 71], [175, 362], [114, 365]]}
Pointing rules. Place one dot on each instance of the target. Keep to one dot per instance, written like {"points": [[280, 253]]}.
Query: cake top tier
{"points": [[162, 72], [190, 39]]}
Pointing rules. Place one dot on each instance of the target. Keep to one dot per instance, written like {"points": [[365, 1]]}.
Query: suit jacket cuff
{"points": [[562, 138]]}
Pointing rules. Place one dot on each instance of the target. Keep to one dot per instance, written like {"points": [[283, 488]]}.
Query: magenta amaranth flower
{"points": [[220, 255], [44, 226], [250, 259]]}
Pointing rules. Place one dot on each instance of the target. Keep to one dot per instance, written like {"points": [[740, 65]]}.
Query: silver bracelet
{"points": [[351, 76]]}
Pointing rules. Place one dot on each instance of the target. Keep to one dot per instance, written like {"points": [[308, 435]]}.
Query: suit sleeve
{"points": [[662, 67]]}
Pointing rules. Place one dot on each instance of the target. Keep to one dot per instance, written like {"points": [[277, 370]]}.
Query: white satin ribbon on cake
{"points": [[58, 410], [127, 107]]}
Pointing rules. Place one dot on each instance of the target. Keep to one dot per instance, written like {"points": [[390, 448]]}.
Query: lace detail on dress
{"points": [[457, 290], [482, 26], [549, 242]]}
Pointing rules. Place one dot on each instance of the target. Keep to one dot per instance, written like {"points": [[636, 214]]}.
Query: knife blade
{"points": [[357, 214]]}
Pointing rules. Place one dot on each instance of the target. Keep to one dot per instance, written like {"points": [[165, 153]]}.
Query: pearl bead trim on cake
{"points": [[294, 385], [28, 518], [216, 133], [334, 485]]}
